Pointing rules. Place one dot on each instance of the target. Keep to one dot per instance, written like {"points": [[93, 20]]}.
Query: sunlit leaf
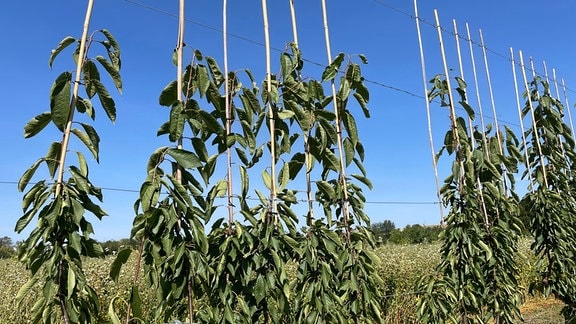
{"points": [[60, 100], [63, 44], [37, 124], [112, 71], [186, 159]]}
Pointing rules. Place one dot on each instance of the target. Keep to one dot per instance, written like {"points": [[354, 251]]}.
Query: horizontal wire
{"points": [[254, 198]]}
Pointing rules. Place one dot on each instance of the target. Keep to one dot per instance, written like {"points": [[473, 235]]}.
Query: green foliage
{"points": [[382, 231], [476, 279], [415, 234], [56, 248], [550, 204]]}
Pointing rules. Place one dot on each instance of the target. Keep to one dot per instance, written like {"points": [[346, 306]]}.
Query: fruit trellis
{"points": [[476, 280], [237, 271]]}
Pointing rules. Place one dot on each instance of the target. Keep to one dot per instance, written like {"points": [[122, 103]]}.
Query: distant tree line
{"points": [[386, 232]]}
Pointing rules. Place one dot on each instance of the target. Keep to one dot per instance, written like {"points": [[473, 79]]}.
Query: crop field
{"points": [[401, 266]]}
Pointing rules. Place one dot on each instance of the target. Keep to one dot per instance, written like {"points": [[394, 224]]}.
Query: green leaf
{"points": [[53, 157], [60, 100], [82, 182], [331, 71], [217, 75], [63, 44], [90, 75], [186, 159], [267, 179], [84, 138], [363, 104], [112, 71], [285, 114], [112, 312], [36, 124], [113, 54], [169, 95], [25, 289], [83, 166], [106, 100], [348, 151], [28, 174], [71, 284], [136, 302], [203, 79], [177, 121], [327, 189], [85, 106], [284, 176], [363, 58], [363, 179]]}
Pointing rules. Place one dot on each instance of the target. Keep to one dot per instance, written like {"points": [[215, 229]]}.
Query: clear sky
{"points": [[398, 158]]}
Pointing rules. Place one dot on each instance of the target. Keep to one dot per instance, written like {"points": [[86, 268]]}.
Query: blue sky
{"points": [[398, 158]]}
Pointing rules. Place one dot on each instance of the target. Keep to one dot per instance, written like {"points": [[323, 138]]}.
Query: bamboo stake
{"points": [[273, 206], [428, 114], [521, 119], [568, 108], [66, 136], [452, 108], [342, 176], [471, 130], [478, 100], [498, 136], [461, 67], [307, 155], [228, 114], [293, 16], [534, 126], [77, 81], [180, 63], [558, 96]]}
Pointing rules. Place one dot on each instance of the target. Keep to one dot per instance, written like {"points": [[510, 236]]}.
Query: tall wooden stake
{"points": [[521, 119], [342, 176], [228, 114], [428, 114], [534, 126], [273, 207]]}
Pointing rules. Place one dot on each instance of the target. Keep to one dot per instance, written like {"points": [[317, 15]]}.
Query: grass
{"points": [[401, 266]]}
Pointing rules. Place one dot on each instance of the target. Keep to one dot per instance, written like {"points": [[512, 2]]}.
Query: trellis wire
{"points": [[526, 162], [342, 175], [428, 114]]}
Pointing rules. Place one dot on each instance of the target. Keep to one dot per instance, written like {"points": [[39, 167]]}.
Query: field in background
{"points": [[401, 266]]}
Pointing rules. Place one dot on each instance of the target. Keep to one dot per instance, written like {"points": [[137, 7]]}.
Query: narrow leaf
{"points": [[63, 44], [106, 100], [112, 71], [36, 124], [28, 174]]}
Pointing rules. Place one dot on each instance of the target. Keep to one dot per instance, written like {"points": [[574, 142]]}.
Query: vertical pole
{"points": [[498, 136], [428, 114], [568, 108], [520, 118], [342, 175], [478, 100], [228, 113], [534, 126], [273, 207]]}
